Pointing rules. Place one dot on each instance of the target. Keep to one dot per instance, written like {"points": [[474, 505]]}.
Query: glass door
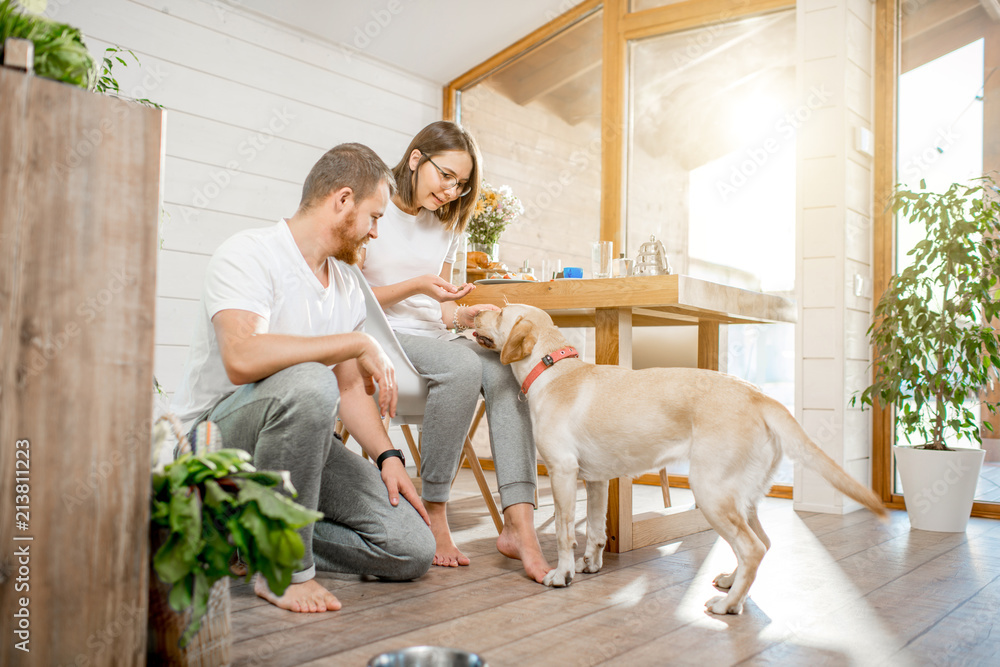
{"points": [[948, 130]]}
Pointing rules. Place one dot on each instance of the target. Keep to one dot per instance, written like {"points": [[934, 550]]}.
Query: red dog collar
{"points": [[547, 361]]}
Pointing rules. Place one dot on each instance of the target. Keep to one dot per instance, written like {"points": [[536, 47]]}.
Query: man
{"points": [[279, 308]]}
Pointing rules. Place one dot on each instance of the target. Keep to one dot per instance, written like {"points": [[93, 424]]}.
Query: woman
{"points": [[409, 268]]}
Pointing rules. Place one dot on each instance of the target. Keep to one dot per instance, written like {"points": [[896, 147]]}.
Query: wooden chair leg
{"points": [[414, 450], [342, 431], [665, 486], [477, 471], [472, 432], [478, 418]]}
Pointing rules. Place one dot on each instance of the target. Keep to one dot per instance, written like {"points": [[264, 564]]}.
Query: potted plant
{"points": [[205, 507], [936, 348], [495, 209]]}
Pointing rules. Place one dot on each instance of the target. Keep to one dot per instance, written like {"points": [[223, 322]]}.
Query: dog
{"points": [[601, 422]]}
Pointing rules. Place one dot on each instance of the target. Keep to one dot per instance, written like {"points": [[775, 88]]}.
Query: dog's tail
{"points": [[796, 444]]}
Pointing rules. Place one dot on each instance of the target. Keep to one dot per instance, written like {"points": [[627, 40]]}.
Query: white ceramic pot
{"points": [[939, 486]]}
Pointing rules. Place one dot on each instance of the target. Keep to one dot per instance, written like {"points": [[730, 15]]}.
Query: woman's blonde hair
{"points": [[440, 137]]}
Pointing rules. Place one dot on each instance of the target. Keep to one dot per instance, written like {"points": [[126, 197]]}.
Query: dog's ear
{"points": [[520, 342]]}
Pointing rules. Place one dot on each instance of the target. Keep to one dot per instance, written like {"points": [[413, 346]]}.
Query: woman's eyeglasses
{"points": [[449, 180]]}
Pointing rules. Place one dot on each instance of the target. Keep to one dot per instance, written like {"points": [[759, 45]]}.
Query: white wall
{"points": [[834, 237], [251, 107]]}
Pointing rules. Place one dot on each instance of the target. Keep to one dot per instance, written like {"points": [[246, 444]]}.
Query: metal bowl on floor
{"points": [[427, 656]]}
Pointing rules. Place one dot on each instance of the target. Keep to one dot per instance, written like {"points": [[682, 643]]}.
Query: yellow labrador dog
{"points": [[602, 422]]}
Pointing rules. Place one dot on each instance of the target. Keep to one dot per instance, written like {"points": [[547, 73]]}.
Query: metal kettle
{"points": [[652, 260]]}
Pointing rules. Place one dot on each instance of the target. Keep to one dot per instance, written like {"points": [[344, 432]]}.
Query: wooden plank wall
{"points": [[252, 106], [79, 199]]}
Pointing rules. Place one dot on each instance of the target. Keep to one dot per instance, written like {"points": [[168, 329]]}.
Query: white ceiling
{"points": [[434, 39]]}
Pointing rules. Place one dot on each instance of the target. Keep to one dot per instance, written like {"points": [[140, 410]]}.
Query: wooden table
{"points": [[613, 306]]}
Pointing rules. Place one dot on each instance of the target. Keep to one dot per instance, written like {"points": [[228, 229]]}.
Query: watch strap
{"points": [[389, 453]]}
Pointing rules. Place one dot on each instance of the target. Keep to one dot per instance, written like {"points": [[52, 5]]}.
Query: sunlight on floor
{"points": [[795, 605], [630, 594]]}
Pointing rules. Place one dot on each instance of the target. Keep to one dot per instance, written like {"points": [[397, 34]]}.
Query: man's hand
{"points": [[398, 482], [375, 369], [440, 289]]}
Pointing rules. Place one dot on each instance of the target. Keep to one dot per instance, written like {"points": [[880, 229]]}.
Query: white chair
{"points": [[412, 399]]}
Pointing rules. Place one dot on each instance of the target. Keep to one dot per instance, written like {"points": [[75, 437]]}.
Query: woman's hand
{"points": [[440, 289], [467, 314]]}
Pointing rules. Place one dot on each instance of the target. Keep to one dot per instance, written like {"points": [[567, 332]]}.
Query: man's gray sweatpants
{"points": [[286, 422], [457, 371]]}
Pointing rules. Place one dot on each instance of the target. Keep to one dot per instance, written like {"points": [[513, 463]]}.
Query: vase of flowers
{"points": [[496, 208]]}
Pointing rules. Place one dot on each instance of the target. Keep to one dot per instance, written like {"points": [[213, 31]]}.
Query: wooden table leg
{"points": [[613, 336], [619, 516], [613, 346], [708, 345]]}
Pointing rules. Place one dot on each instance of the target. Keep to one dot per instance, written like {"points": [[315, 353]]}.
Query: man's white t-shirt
{"points": [[409, 246], [264, 272]]}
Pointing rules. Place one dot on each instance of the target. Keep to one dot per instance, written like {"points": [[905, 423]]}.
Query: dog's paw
{"points": [[558, 578], [589, 565], [724, 581], [720, 605]]}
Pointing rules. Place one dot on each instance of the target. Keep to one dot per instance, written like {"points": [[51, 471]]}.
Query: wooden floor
{"points": [[832, 591]]}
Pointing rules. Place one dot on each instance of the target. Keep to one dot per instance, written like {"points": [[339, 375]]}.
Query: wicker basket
{"points": [[211, 647]]}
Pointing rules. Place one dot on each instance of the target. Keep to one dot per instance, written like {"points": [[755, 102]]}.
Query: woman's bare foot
{"points": [[446, 554], [307, 597], [519, 540]]}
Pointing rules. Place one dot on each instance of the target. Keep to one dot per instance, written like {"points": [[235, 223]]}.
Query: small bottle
{"points": [[623, 266], [526, 271]]}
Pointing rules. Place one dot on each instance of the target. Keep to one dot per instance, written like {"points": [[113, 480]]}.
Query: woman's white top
{"points": [[408, 246]]}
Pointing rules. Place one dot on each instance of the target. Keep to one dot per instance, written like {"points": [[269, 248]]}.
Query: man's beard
{"points": [[350, 249]]}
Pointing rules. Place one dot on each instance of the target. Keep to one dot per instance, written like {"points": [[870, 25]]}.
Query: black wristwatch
{"points": [[389, 453]]}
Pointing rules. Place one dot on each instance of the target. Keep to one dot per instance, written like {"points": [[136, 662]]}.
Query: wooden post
{"points": [[19, 54], [613, 346], [79, 210]]}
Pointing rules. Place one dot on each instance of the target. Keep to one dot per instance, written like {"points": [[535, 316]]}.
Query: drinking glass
{"points": [[600, 259]]}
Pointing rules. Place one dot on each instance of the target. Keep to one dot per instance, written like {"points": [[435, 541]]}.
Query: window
{"points": [[711, 156]]}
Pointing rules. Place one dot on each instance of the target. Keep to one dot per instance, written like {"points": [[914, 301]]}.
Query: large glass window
{"points": [[948, 129], [538, 123], [711, 171]]}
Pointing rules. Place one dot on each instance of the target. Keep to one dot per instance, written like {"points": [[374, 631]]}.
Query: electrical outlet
{"points": [[864, 141]]}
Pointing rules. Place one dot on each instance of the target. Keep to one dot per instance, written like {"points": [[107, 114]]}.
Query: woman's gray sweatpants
{"points": [[457, 371], [286, 422]]}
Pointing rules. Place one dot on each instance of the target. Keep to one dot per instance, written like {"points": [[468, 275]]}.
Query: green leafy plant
{"points": [[107, 84], [60, 53], [935, 344], [209, 505]]}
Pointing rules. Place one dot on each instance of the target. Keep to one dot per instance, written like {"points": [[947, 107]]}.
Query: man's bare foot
{"points": [[519, 540], [446, 554], [307, 597]]}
